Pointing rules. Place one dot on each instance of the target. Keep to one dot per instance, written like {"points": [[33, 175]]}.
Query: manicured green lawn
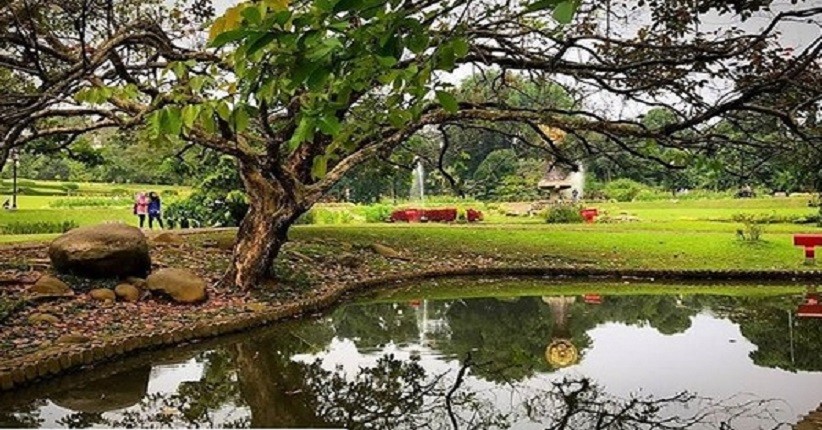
{"points": [[612, 245], [46, 208], [467, 288], [687, 234]]}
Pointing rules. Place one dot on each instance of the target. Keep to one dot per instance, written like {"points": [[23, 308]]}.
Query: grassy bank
{"points": [[612, 245], [461, 289], [672, 234], [89, 203]]}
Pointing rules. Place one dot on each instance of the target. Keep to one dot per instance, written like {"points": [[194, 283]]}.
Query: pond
{"points": [[558, 356]]}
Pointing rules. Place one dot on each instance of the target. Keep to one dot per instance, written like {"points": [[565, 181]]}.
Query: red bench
{"points": [[809, 242]]}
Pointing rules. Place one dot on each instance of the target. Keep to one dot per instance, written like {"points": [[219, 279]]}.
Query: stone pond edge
{"points": [[28, 369]]}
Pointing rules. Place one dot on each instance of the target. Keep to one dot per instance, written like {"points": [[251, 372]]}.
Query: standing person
{"points": [[141, 207], [155, 210]]}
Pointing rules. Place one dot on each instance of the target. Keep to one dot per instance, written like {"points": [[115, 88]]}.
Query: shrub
{"points": [[623, 190], [201, 209], [120, 192], [344, 217], [90, 202], [307, 218], [70, 188], [320, 215], [377, 213], [40, 227], [563, 214], [752, 226]]}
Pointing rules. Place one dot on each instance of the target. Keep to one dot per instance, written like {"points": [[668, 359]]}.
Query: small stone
{"points": [[127, 292], [387, 252], [137, 282], [102, 294], [209, 243], [39, 318], [181, 285], [51, 286], [73, 338]]}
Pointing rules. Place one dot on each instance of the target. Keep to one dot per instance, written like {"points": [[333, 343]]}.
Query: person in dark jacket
{"points": [[155, 210]]}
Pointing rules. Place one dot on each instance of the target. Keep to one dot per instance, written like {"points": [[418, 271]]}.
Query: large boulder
{"points": [[101, 251], [181, 285]]}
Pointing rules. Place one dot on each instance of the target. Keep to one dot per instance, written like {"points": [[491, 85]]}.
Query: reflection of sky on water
{"points": [[710, 359]]}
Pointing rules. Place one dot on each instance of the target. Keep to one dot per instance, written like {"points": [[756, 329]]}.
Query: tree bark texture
{"points": [[264, 229]]}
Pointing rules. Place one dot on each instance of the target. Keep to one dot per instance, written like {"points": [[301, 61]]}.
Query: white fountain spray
{"points": [[577, 180], [418, 182]]}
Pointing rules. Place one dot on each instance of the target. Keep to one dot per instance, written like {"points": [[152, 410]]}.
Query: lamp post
{"points": [[15, 158]]}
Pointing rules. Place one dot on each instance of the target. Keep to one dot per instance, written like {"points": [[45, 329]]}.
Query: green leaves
{"points": [[94, 95], [319, 166], [542, 5], [418, 42], [190, 114], [447, 101], [329, 124], [461, 47], [565, 10], [228, 27]]}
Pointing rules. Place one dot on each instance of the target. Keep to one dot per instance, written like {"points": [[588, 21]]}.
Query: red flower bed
{"points": [[434, 215]]}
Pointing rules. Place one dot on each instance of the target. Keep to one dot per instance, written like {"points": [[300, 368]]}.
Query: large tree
{"points": [[301, 92]]}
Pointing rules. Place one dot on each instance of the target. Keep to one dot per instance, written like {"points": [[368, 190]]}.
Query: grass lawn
{"points": [[610, 245], [463, 289], [687, 234], [47, 208]]}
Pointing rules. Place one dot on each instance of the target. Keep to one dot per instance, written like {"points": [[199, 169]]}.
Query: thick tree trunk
{"points": [[264, 229]]}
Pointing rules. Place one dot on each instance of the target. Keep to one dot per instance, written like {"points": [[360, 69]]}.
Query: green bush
{"points": [[70, 188], [121, 192], [563, 214], [40, 227], [623, 190], [86, 202], [319, 215], [752, 226], [377, 213], [307, 218]]}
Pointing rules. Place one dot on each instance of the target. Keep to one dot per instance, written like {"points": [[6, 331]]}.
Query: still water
{"points": [[557, 361]]}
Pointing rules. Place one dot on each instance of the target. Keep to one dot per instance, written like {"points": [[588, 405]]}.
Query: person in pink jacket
{"points": [[141, 207]]}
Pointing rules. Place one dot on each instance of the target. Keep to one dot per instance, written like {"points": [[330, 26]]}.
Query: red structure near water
{"points": [[433, 215]]}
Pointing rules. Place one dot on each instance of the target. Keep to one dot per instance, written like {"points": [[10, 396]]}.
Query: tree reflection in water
{"points": [[491, 373], [401, 394]]}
